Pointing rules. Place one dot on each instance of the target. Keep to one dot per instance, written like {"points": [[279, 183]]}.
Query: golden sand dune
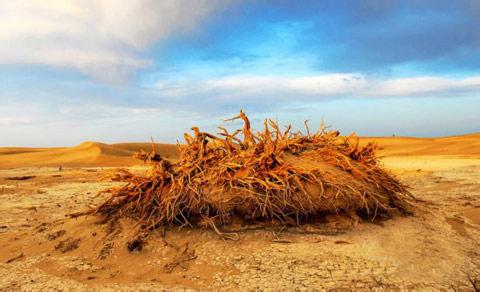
{"points": [[85, 154], [465, 145], [100, 154]]}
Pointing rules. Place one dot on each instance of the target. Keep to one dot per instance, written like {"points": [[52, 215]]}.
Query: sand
{"points": [[437, 248], [87, 154]]}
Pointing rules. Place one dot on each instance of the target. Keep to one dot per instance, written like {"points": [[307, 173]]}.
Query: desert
{"points": [[43, 248], [234, 145]]}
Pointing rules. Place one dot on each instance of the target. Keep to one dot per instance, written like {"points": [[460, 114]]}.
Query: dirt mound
{"points": [[273, 175]]}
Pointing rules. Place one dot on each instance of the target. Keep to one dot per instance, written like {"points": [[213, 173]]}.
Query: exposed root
{"points": [[185, 256], [225, 235], [272, 175]]}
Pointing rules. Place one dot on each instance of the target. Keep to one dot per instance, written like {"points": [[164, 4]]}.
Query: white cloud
{"points": [[242, 86], [102, 38], [423, 85], [405, 86], [326, 85]]}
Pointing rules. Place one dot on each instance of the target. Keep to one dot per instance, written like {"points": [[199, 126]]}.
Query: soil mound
{"points": [[272, 175]]}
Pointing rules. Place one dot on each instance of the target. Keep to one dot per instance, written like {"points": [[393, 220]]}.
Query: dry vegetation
{"points": [[272, 175]]}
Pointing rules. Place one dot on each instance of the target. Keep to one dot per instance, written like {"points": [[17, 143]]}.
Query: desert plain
{"points": [[42, 247]]}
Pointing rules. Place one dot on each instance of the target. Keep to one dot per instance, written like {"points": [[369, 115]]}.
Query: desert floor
{"points": [[436, 248]]}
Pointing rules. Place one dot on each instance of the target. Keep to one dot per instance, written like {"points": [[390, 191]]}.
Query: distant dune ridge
{"points": [[87, 154], [464, 145], [91, 154]]}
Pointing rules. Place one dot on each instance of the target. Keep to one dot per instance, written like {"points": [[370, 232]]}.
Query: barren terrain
{"points": [[42, 248]]}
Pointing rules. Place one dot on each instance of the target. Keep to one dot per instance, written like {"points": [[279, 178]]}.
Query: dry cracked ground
{"points": [[435, 249]]}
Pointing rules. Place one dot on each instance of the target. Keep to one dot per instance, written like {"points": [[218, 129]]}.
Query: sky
{"points": [[120, 71]]}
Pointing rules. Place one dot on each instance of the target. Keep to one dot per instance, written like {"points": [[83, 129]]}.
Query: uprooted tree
{"points": [[273, 175]]}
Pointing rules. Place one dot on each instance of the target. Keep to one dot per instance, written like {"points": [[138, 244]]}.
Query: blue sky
{"points": [[113, 71]]}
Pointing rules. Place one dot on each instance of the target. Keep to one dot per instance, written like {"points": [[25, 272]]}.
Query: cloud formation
{"points": [[318, 86], [170, 108], [101, 38], [240, 86]]}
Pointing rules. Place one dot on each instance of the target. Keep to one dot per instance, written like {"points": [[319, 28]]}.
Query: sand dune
{"points": [[100, 154], [465, 145], [85, 154]]}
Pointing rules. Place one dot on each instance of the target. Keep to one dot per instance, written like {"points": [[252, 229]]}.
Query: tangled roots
{"points": [[271, 175]]}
